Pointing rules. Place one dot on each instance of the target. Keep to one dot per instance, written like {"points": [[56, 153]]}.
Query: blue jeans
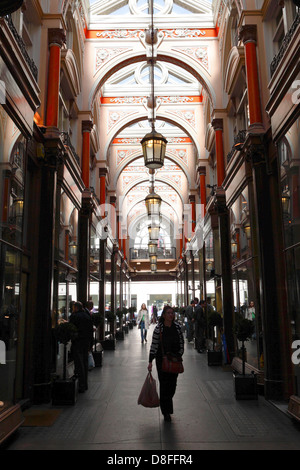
{"points": [[143, 330]]}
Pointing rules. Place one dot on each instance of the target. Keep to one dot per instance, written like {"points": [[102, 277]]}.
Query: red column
{"points": [[86, 146], [56, 38], [102, 175], [217, 124], [202, 182], [248, 35], [193, 212]]}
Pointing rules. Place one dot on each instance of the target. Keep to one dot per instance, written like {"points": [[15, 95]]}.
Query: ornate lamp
{"points": [[153, 232], [153, 267], [247, 230], [153, 203], [285, 200], [154, 149], [152, 247], [153, 259], [73, 248], [153, 144]]}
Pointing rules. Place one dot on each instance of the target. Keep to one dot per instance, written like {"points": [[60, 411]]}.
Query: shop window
{"points": [[10, 261], [13, 195]]}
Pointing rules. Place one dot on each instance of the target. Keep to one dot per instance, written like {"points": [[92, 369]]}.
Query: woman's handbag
{"points": [[171, 363], [148, 396]]}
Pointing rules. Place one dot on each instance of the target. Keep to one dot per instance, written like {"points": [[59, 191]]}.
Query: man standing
{"points": [[189, 312], [82, 344], [199, 322]]}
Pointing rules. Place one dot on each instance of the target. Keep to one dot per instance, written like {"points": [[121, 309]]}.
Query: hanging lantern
{"points": [[153, 259], [9, 6], [153, 203], [152, 247], [154, 149], [234, 247], [18, 207], [153, 267], [247, 230], [285, 200], [153, 232], [73, 248]]}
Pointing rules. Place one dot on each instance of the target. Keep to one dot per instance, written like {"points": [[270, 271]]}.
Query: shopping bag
{"points": [[148, 396], [91, 364]]}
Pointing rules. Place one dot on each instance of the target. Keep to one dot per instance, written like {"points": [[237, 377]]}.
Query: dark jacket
{"points": [[83, 321]]}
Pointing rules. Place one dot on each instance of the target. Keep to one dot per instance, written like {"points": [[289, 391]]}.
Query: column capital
{"points": [[201, 170], [56, 36], [217, 124], [87, 126], [248, 33], [103, 171]]}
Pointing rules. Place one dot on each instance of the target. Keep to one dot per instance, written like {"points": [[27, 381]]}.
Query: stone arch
{"points": [[142, 180], [133, 57], [175, 160], [160, 117]]}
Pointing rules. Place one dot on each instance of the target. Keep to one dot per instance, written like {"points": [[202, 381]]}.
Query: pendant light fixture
{"points": [[153, 144], [152, 247], [153, 200]]}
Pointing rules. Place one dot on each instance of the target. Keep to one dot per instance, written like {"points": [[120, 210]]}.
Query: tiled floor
{"points": [[206, 414]]}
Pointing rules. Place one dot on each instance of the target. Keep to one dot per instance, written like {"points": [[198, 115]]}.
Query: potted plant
{"points": [[214, 357], [109, 341], [125, 325], [65, 390], [98, 321], [131, 311], [245, 385], [119, 330]]}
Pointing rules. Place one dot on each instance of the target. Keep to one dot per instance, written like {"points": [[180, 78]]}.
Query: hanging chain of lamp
{"points": [[153, 144], [154, 149]]}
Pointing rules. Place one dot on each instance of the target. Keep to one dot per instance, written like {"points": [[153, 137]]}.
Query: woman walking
{"points": [[169, 333], [143, 321]]}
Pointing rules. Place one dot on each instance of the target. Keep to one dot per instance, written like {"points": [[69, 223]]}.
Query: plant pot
{"points": [[126, 329], [65, 392], [245, 386], [119, 334], [130, 325], [214, 358]]}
